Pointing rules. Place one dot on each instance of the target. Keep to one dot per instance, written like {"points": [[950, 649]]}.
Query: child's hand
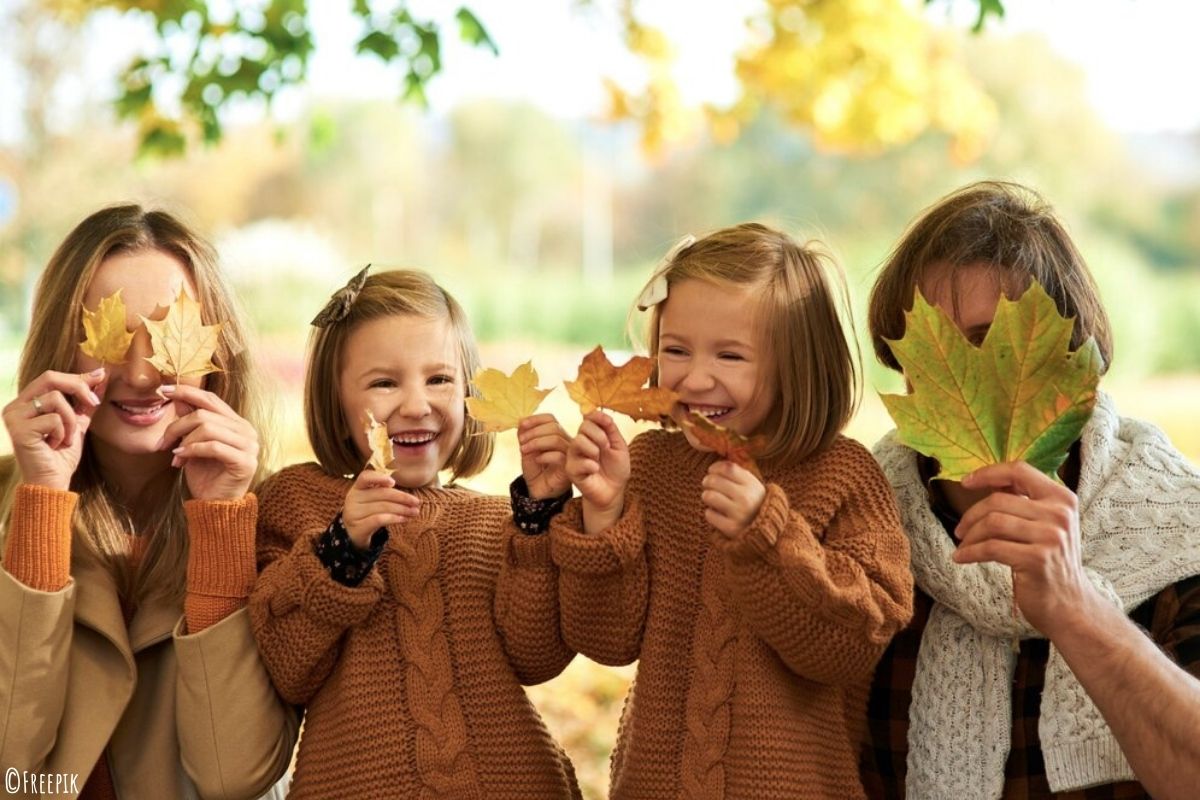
{"points": [[374, 502], [543, 456], [598, 465], [732, 497]]}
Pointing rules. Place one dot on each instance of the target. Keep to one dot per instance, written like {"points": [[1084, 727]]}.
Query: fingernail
{"points": [[94, 398], [161, 441], [96, 373], [176, 461], [178, 450], [167, 388]]}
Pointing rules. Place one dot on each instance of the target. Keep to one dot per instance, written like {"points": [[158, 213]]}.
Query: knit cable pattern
{"points": [[708, 703], [443, 761]]}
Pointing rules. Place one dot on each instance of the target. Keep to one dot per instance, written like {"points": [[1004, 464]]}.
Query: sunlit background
{"points": [[542, 183]]}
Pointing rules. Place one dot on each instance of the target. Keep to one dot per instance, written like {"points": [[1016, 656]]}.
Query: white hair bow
{"points": [[656, 291]]}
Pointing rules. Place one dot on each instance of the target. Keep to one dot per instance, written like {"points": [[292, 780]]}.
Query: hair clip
{"points": [[340, 303], [656, 291]]}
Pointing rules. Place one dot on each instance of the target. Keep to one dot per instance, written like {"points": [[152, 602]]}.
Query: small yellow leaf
{"points": [[505, 400], [107, 339], [620, 389], [183, 344], [381, 445]]}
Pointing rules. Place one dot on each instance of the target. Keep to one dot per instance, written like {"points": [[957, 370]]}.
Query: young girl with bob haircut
{"points": [[377, 605], [127, 663], [756, 609], [1104, 562]]}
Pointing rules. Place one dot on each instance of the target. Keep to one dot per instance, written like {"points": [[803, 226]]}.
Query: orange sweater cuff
{"points": [[609, 552], [221, 568], [38, 550], [759, 540]]}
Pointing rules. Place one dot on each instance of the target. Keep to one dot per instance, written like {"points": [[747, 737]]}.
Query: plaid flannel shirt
{"points": [[1171, 618]]}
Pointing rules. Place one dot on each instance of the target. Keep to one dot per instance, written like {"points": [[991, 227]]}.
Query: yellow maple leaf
{"points": [[183, 344], [505, 399], [107, 339], [381, 445], [620, 389]]}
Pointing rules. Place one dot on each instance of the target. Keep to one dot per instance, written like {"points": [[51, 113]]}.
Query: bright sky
{"points": [[1140, 57]]}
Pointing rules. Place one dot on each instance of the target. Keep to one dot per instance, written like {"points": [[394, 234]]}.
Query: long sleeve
{"points": [[37, 603], [604, 583], [527, 608], [848, 587], [236, 733], [298, 612], [220, 568]]}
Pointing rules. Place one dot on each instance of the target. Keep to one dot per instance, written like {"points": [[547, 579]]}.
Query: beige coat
{"points": [[184, 715]]}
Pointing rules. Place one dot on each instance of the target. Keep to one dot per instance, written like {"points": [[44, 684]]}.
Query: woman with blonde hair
{"points": [[127, 666]]}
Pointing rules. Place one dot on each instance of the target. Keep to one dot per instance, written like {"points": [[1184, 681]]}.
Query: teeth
{"points": [[413, 438], [708, 411], [139, 409]]}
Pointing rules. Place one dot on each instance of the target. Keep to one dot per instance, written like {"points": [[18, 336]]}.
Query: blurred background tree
{"points": [[561, 149]]}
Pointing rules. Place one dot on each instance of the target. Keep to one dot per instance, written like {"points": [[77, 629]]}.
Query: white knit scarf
{"points": [[1139, 508]]}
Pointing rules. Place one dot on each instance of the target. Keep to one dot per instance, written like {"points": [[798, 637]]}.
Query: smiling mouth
{"points": [[140, 412], [413, 439], [709, 412]]}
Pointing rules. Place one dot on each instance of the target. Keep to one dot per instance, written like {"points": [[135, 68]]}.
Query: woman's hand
{"points": [[598, 465], [216, 449], [47, 423], [543, 456], [374, 502]]}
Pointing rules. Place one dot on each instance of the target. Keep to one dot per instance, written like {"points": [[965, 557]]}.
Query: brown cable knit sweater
{"points": [[412, 680], [755, 655]]}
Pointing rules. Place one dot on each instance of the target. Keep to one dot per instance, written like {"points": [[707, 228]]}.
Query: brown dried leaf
{"points": [[728, 444], [620, 389]]}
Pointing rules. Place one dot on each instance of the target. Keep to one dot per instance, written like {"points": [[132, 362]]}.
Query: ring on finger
{"points": [[38, 408]]}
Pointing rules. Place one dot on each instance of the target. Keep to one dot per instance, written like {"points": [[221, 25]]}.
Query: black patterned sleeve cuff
{"points": [[347, 564], [532, 516]]}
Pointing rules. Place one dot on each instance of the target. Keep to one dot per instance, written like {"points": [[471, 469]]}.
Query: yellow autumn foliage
{"points": [[862, 76]]}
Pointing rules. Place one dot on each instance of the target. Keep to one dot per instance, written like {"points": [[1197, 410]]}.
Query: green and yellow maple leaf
{"points": [[183, 344], [106, 338], [505, 399], [1022, 395]]}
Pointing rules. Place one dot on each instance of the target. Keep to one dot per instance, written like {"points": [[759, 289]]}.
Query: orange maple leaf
{"points": [[728, 444], [620, 389]]}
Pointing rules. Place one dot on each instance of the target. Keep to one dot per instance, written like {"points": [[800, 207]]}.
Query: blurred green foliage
{"points": [[205, 56]]}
